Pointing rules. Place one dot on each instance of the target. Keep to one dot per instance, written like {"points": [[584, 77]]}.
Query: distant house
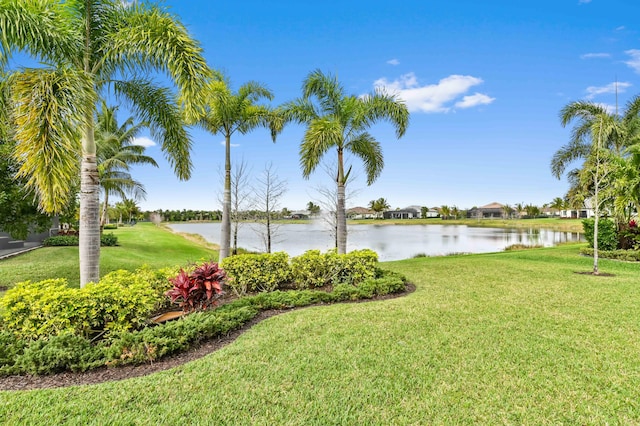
{"points": [[490, 211], [408, 213], [432, 212], [361, 213], [585, 212], [300, 214]]}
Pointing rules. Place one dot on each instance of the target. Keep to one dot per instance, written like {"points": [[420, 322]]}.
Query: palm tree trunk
{"points": [[89, 208], [225, 226], [341, 213]]}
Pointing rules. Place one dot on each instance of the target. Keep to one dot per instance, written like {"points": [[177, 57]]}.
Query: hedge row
{"points": [[268, 272], [626, 255], [67, 352], [106, 240]]}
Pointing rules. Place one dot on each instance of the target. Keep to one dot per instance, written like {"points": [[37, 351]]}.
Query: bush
{"points": [[110, 226], [313, 269], [625, 255], [310, 270], [257, 272], [66, 351], [106, 240], [120, 301], [198, 289], [607, 235]]}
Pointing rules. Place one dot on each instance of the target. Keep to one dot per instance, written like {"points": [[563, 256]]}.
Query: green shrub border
{"points": [[106, 240], [67, 352], [626, 255]]}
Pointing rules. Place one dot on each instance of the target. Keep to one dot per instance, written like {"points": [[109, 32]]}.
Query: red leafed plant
{"points": [[633, 224], [199, 289]]}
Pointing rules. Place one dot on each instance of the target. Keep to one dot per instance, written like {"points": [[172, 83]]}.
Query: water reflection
{"points": [[391, 242]]}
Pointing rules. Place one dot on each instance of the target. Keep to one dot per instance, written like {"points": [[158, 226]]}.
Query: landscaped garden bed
{"points": [[49, 328]]}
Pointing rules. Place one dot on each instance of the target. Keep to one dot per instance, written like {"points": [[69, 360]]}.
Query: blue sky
{"points": [[484, 81]]}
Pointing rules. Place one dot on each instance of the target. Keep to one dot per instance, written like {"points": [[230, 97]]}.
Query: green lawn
{"points": [[505, 338], [141, 244]]}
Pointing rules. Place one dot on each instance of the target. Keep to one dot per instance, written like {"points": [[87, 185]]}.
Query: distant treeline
{"points": [[194, 215]]}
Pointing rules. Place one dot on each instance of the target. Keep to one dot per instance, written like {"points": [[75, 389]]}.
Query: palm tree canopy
{"points": [[93, 46], [227, 112], [337, 120]]}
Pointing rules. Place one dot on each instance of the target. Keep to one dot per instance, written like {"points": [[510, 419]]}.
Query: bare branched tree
{"points": [[268, 192], [240, 199], [327, 197]]}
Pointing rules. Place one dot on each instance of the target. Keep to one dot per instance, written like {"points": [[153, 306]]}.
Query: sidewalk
{"points": [[28, 246]]}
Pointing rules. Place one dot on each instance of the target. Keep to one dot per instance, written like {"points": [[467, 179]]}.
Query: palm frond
{"points": [[321, 135], [368, 149], [47, 110], [147, 35], [156, 106]]}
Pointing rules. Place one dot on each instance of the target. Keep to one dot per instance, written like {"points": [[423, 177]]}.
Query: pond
{"points": [[391, 242]]}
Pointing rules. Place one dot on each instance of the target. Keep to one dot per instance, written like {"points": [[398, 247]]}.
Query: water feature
{"points": [[391, 242]]}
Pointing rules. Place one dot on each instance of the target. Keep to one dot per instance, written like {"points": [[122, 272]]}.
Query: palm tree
{"points": [[520, 208], [93, 46], [557, 204], [506, 211], [603, 134], [228, 113], [445, 212], [313, 208], [340, 121], [379, 206], [115, 154]]}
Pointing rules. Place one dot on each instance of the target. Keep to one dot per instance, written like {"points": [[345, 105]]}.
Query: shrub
{"points": [[198, 289], [110, 226], [310, 270], [257, 272], [607, 235], [625, 255], [73, 240], [313, 269], [120, 301], [57, 354], [108, 240]]}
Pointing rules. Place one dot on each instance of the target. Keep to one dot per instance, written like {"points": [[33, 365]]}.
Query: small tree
{"points": [[240, 196], [268, 192]]}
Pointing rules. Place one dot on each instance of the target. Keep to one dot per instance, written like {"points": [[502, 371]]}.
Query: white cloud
{"points": [[393, 61], [232, 145], [474, 100], [595, 55], [621, 28], [143, 141], [434, 97], [584, 1], [621, 87], [634, 62]]}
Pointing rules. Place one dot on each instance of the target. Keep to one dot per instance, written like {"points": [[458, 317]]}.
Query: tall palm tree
{"points": [[227, 113], [445, 212], [340, 121], [506, 211], [115, 154], [93, 46], [604, 136]]}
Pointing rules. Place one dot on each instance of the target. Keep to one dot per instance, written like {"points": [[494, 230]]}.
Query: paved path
{"points": [[28, 246]]}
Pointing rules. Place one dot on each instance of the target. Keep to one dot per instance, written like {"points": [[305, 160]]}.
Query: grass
{"points": [[505, 338], [138, 245]]}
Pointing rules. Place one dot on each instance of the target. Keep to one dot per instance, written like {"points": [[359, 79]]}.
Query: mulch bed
{"points": [[105, 374]]}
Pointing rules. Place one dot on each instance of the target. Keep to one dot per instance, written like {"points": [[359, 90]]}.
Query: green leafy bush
{"points": [[313, 269], [607, 234], [120, 301], [625, 255], [257, 272], [73, 240], [66, 351], [110, 226]]}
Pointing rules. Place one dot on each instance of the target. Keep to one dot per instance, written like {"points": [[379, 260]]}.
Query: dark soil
{"points": [[105, 374], [599, 274]]}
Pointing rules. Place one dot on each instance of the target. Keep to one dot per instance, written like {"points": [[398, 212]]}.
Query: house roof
{"points": [[360, 210], [493, 205]]}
